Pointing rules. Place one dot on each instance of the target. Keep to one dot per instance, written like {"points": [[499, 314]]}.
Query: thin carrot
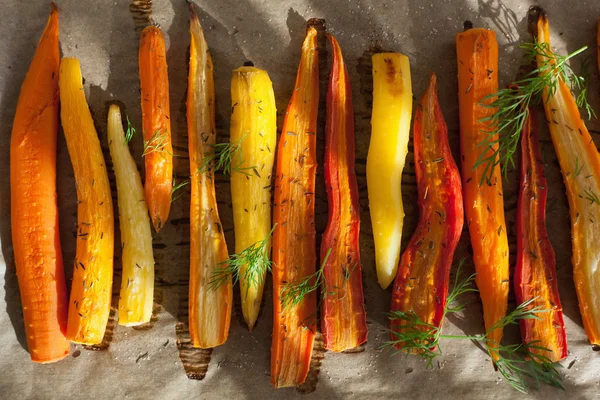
{"points": [[156, 125], [209, 307], [294, 252], [343, 322], [535, 272], [91, 290], [34, 213], [477, 52]]}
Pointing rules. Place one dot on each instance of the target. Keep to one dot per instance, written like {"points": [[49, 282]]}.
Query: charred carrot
{"points": [[91, 289], [580, 165], [535, 272], [34, 213], [294, 252], [390, 123], [254, 130], [156, 125], [209, 308], [477, 52], [343, 324], [421, 286]]}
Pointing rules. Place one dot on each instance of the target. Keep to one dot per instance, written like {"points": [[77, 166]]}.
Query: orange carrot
{"points": [[91, 290], [156, 125], [294, 252], [477, 52], [34, 213]]}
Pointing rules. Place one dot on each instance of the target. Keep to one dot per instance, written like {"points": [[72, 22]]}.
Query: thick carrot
{"points": [[294, 252], [344, 322], [254, 127], [580, 165], [91, 289], [477, 52], [209, 308], [156, 125], [535, 272], [421, 285], [34, 213]]}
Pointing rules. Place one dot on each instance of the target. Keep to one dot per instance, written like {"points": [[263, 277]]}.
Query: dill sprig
{"points": [[156, 143], [176, 187], [414, 336], [292, 294], [591, 196], [221, 158], [130, 131], [512, 105], [250, 265], [521, 365]]}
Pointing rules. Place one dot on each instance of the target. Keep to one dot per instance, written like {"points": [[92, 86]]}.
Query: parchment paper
{"points": [[143, 364]]}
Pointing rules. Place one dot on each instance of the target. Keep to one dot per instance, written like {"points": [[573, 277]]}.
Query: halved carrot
{"points": [[156, 125], [535, 272], [34, 213], [477, 52], [137, 260], [421, 286], [343, 323], [580, 165], [91, 289], [294, 249], [209, 307]]}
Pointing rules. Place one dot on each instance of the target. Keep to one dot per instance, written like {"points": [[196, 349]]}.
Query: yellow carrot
{"points": [[137, 281], [390, 123]]}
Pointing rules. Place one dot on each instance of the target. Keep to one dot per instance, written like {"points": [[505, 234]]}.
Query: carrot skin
{"points": [[477, 51], [294, 252], [535, 272], [421, 285], [34, 212], [156, 125], [343, 324]]}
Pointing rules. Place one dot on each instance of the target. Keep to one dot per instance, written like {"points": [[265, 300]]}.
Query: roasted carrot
{"points": [[294, 252], [580, 165], [343, 322], [254, 130], [137, 280], [34, 213], [535, 272], [209, 308], [91, 289], [477, 52], [421, 286], [390, 123], [156, 125]]}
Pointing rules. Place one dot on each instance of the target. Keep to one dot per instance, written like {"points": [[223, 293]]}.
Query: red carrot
{"points": [[344, 323], [421, 285]]}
